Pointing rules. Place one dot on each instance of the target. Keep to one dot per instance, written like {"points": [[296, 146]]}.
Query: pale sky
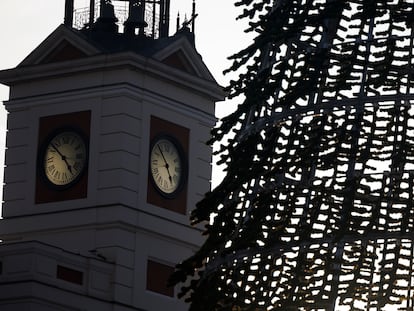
{"points": [[24, 24]]}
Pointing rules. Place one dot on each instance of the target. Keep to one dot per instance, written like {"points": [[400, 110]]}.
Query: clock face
{"points": [[166, 165], [64, 158]]}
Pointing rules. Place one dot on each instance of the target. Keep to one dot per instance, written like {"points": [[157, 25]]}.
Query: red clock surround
{"points": [[45, 192], [177, 203]]}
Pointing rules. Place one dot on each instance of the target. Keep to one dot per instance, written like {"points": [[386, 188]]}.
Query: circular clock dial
{"points": [[166, 166], [65, 158]]}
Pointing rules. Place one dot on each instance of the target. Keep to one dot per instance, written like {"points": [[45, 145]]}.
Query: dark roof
{"points": [[113, 42]]}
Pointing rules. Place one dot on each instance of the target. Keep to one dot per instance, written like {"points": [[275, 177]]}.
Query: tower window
{"points": [[69, 275], [157, 278]]}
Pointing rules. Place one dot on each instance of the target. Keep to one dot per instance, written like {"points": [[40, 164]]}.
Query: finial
{"points": [[193, 16], [178, 21], [187, 22]]}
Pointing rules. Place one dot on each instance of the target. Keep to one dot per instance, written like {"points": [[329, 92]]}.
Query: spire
{"points": [[193, 16], [187, 22], [178, 22]]}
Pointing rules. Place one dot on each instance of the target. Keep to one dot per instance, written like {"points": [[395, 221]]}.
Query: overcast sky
{"points": [[24, 24]]}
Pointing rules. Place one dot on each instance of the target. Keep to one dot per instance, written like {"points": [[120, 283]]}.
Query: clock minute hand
{"points": [[63, 158], [166, 163]]}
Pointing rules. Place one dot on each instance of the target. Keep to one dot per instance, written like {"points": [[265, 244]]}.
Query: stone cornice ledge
{"points": [[105, 62]]}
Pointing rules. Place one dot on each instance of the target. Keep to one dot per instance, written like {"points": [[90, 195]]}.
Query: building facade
{"points": [[105, 158]]}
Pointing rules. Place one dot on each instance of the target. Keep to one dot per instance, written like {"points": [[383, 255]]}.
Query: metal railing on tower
{"points": [[154, 13]]}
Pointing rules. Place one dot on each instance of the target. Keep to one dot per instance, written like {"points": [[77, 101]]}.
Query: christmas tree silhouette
{"points": [[316, 209]]}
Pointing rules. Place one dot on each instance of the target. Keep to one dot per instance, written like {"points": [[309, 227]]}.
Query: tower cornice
{"points": [[112, 62]]}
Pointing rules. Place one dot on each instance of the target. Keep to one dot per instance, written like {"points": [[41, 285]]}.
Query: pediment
{"points": [[63, 52], [178, 60], [183, 56], [66, 44], [62, 45]]}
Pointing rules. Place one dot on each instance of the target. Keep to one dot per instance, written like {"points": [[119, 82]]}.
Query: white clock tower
{"points": [[105, 159]]}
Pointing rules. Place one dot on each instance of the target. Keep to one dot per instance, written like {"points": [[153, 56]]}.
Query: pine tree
{"points": [[316, 209]]}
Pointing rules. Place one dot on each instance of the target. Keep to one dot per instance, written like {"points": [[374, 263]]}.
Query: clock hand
{"points": [[63, 158], [166, 164]]}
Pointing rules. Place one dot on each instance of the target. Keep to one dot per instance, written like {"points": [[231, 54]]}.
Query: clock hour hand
{"points": [[166, 164], [63, 158]]}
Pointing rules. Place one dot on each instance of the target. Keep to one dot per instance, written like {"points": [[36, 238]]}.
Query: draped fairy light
{"points": [[316, 211]]}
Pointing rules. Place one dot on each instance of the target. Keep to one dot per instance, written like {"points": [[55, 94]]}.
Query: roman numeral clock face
{"points": [[166, 165], [64, 158]]}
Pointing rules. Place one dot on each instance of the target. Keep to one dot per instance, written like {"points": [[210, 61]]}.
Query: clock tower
{"points": [[105, 158]]}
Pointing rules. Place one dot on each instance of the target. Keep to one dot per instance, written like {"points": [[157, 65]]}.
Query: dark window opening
{"points": [[157, 278], [69, 275]]}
